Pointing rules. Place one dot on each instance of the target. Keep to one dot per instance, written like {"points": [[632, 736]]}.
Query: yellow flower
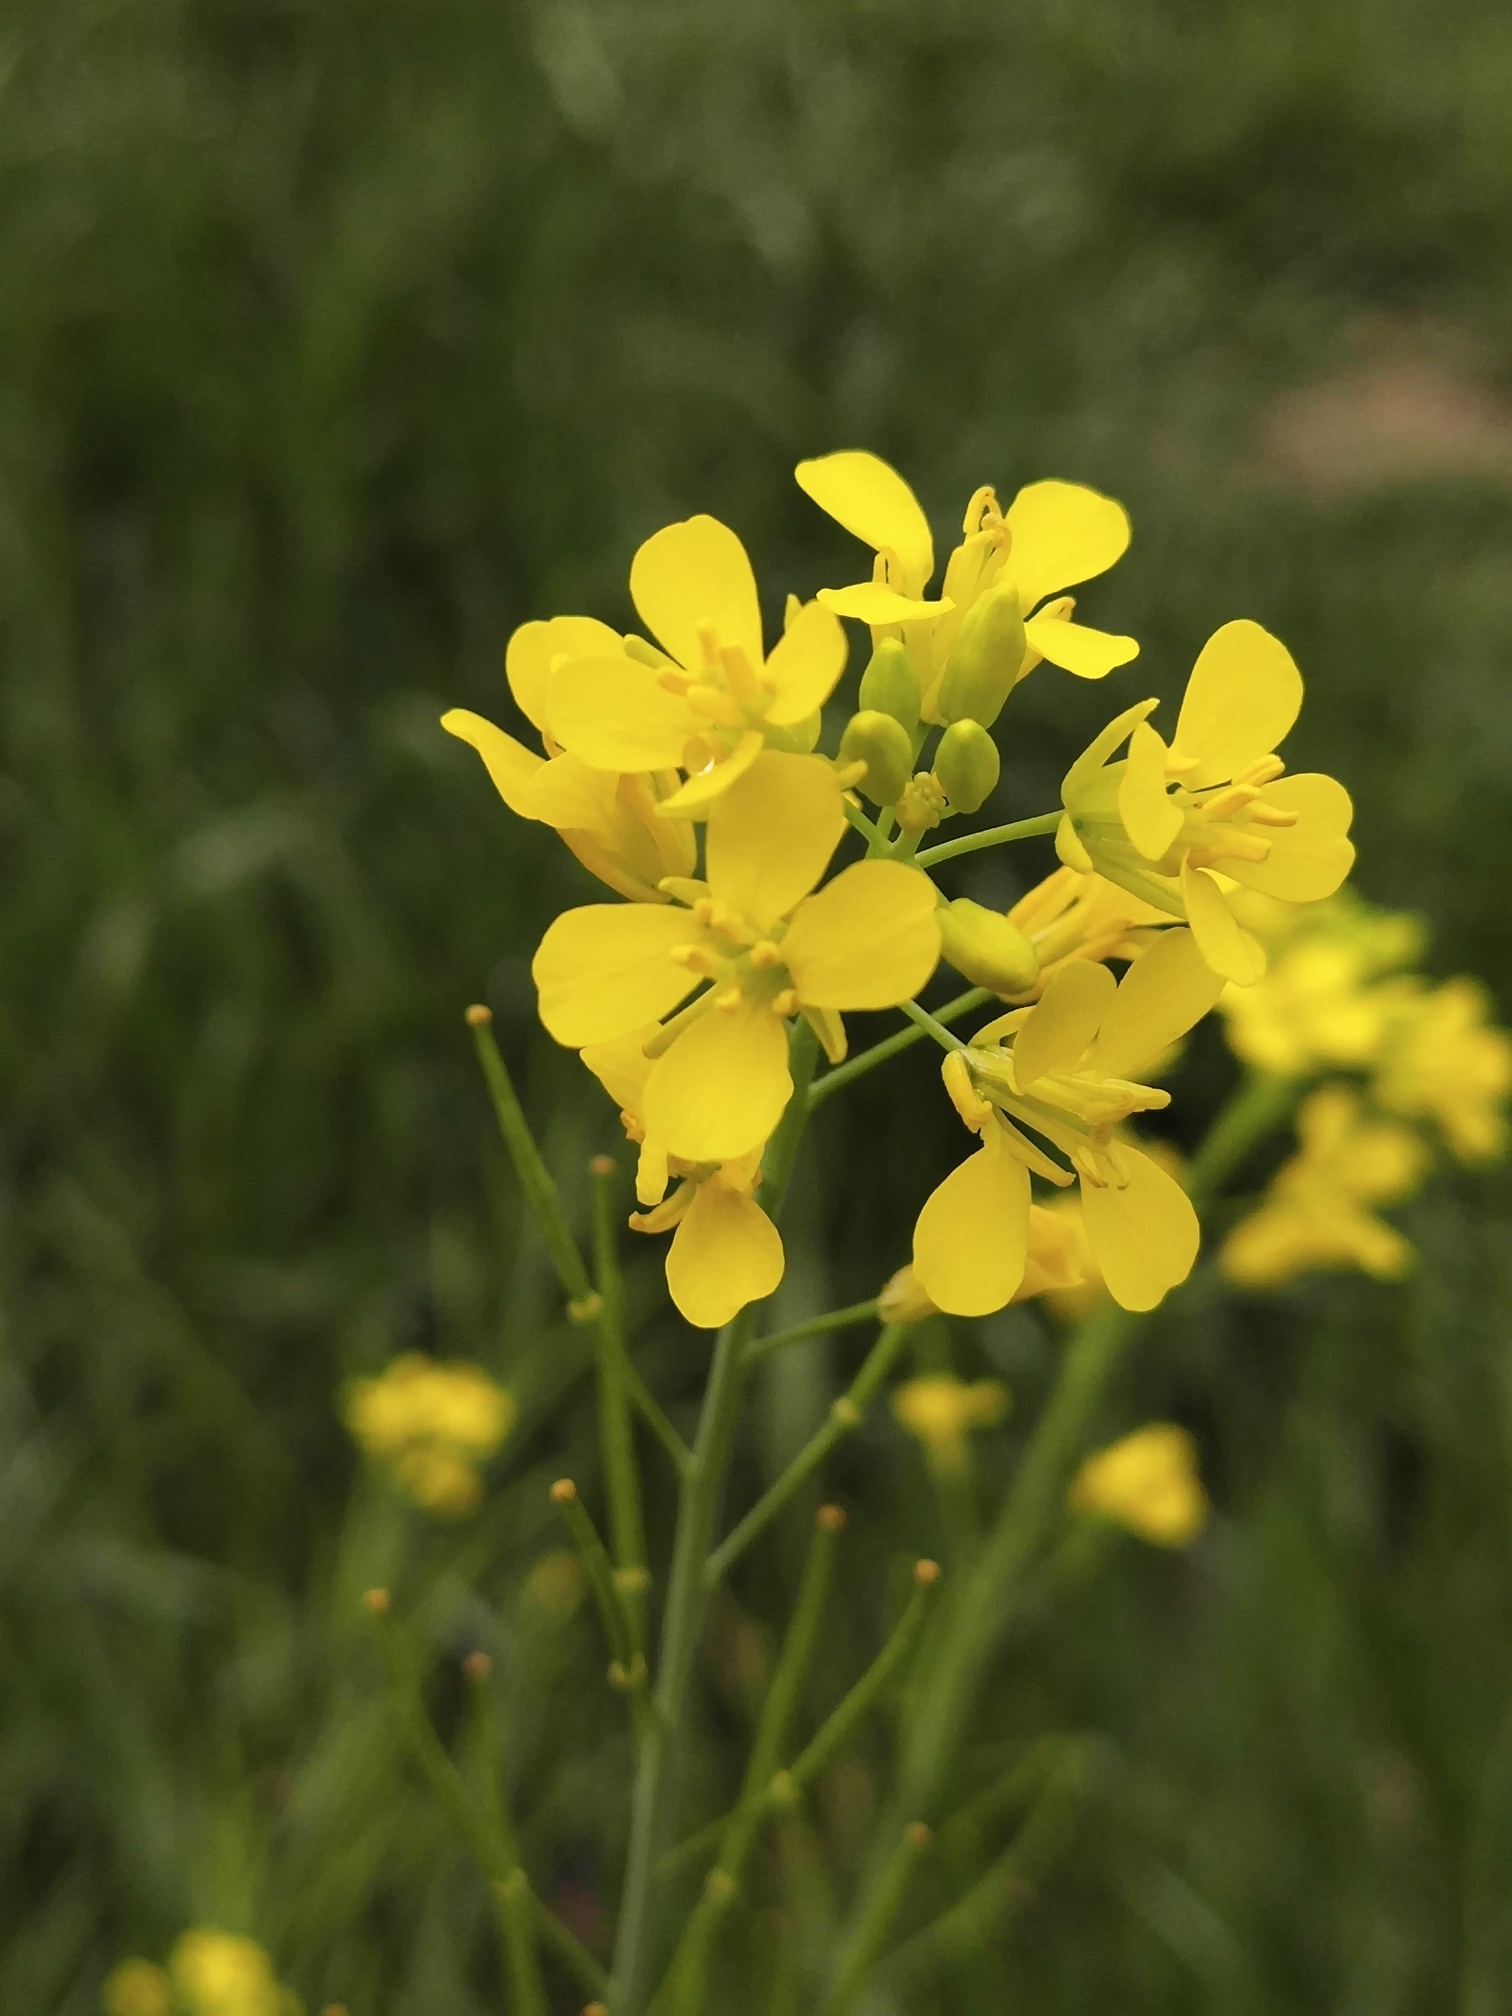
{"points": [[725, 1250], [1148, 1482], [940, 1411], [1322, 1001], [431, 1423], [1179, 825], [1067, 1076], [610, 822], [1446, 1064], [1052, 536], [137, 1988], [1055, 1266], [711, 700], [218, 1974], [1074, 916], [762, 947], [1314, 1213]]}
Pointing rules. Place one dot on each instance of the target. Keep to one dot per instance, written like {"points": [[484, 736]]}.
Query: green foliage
{"points": [[336, 340]]}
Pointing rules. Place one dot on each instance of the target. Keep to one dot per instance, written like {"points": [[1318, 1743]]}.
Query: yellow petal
{"points": [[1307, 861], [867, 940], [1062, 533], [622, 1067], [1144, 1237], [1061, 1026], [615, 714], [1241, 700], [607, 968], [972, 1237], [692, 575], [724, 1254], [533, 648], [871, 500], [872, 602], [695, 797], [772, 833], [1090, 654], [720, 1090], [1165, 992], [511, 765], [1221, 939], [805, 663], [1150, 818]]}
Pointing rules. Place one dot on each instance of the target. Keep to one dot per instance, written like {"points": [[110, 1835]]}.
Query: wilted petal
{"points": [[1062, 533], [971, 1240], [870, 499], [1144, 1237], [771, 835], [692, 575], [724, 1254], [867, 940], [1244, 694], [607, 968], [720, 1090]]}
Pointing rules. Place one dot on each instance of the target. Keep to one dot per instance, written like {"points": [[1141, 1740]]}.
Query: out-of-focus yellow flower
{"points": [[555, 1585], [725, 1251], [940, 1411], [218, 1974], [431, 1424], [715, 700], [1324, 1001], [1445, 1062], [1314, 1214], [1180, 825], [1065, 1069], [611, 822], [760, 944], [1148, 1482], [137, 1988], [1053, 536]]}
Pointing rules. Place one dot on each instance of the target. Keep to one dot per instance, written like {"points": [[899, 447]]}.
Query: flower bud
{"points": [[921, 804], [876, 739], [890, 685], [966, 765], [902, 1300], [985, 948], [985, 659]]}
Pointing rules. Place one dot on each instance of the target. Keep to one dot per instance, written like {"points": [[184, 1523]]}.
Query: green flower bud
{"points": [[966, 764], [890, 685], [985, 658], [876, 739], [985, 948]]}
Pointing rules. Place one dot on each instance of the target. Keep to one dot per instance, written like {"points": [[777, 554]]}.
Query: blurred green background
{"points": [[336, 339]]}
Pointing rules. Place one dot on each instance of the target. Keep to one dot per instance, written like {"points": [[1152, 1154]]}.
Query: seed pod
{"points": [[985, 659], [890, 685], [966, 764], [876, 739], [985, 948]]}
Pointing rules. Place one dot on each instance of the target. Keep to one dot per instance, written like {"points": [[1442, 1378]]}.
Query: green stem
{"points": [[627, 1529], [621, 1626], [929, 1026], [838, 1728], [845, 1416], [871, 1928], [687, 1595], [879, 1053], [815, 1326], [571, 1951], [655, 1419], [857, 818], [993, 836], [512, 1893]]}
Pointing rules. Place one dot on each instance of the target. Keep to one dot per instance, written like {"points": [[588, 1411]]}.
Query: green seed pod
{"points": [[966, 764], [890, 685], [876, 739], [985, 659], [985, 948]]}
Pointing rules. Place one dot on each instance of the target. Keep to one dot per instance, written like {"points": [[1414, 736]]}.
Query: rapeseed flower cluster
{"points": [[209, 1973], [431, 1425], [1148, 1482]]}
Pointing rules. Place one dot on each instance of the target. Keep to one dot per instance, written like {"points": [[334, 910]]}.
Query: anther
{"points": [[787, 1002], [765, 954], [728, 1000]]}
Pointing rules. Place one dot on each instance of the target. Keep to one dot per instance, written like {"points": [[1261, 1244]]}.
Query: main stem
{"points": [[687, 1597]]}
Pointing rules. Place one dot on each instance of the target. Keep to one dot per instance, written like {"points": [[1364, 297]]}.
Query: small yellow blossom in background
{"points": [[1315, 1213], [1052, 536], [218, 1974], [762, 947], [1180, 825], [555, 1585], [1148, 1482], [940, 1411], [431, 1424], [711, 700], [1066, 1069], [725, 1250], [610, 822], [1446, 1063], [137, 1988]]}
